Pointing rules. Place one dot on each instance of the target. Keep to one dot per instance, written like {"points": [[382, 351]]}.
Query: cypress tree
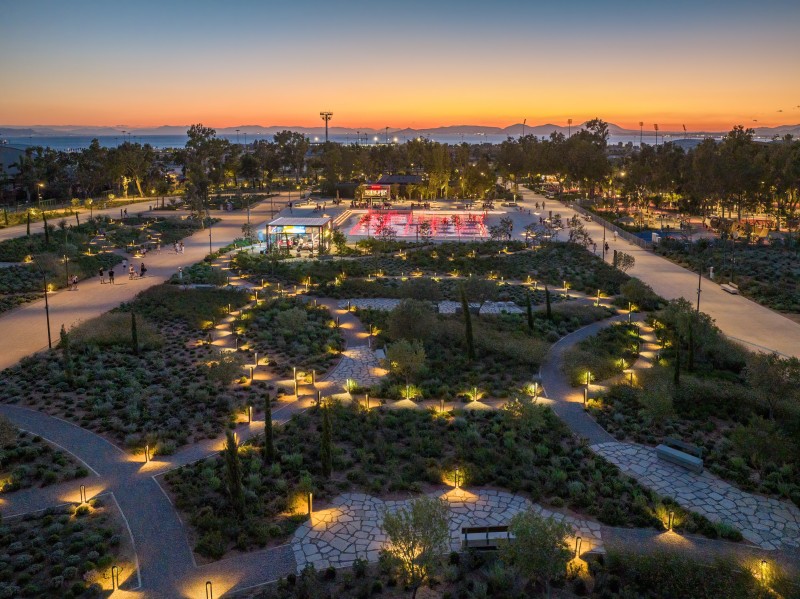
{"points": [[467, 325], [28, 229], [326, 448], [46, 231], [547, 303], [78, 219], [134, 335], [614, 263], [529, 311], [269, 447], [68, 372], [233, 472], [5, 215], [676, 375]]}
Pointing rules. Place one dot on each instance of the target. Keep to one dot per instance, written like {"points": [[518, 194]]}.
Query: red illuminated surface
{"points": [[451, 225]]}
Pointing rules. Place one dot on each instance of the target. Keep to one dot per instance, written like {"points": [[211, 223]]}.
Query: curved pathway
{"points": [[769, 523], [738, 317]]}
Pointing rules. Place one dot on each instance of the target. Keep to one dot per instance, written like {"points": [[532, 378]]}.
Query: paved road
{"points": [[25, 330], [739, 318]]}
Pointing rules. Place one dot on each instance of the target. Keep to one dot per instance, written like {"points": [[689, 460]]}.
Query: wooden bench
{"points": [[483, 537], [680, 453], [731, 288]]}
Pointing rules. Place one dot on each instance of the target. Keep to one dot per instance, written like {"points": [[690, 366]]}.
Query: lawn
{"points": [[26, 460], [62, 553]]}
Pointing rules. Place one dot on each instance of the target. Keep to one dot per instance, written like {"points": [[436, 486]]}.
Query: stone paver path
{"points": [[351, 527], [767, 522], [358, 363], [445, 307]]}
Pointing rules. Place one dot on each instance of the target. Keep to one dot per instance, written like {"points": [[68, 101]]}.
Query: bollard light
{"points": [[249, 414], [114, 578], [209, 590], [255, 359], [82, 490], [338, 322], [578, 542], [763, 571], [670, 520], [251, 373], [441, 405], [310, 504], [313, 377], [366, 397], [456, 477], [146, 453], [319, 398], [585, 398]]}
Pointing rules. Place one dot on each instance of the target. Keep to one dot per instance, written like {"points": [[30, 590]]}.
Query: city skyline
{"points": [[707, 67]]}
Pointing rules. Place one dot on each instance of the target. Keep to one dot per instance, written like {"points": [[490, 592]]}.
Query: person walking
{"points": [[74, 282], [124, 264], [142, 270], [102, 276], [111, 275], [182, 247], [131, 272]]}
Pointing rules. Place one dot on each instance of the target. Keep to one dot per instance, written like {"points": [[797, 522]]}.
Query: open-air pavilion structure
{"points": [[300, 232]]}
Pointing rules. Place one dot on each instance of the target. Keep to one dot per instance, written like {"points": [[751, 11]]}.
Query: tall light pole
{"points": [[237, 137], [569, 125], [641, 133], [210, 251], [387, 135], [523, 126], [47, 311], [656, 128], [326, 116]]}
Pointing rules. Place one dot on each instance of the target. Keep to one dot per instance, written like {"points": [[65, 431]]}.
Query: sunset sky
{"points": [[709, 64]]}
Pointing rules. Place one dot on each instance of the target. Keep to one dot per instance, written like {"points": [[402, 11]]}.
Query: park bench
{"points": [[680, 453], [731, 288], [483, 537]]}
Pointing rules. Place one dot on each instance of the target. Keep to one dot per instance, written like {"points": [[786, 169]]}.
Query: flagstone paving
{"points": [[358, 363], [767, 522], [351, 528]]}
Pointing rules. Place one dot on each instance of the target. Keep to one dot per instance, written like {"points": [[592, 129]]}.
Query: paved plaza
{"points": [[351, 527]]}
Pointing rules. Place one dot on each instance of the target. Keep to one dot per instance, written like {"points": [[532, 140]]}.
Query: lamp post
{"points": [[569, 128], [209, 590], [326, 116], [641, 133], [210, 251]]}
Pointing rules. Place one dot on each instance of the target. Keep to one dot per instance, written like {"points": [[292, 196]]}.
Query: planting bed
{"points": [[28, 461], [63, 553], [173, 392], [523, 448], [603, 355], [292, 332]]}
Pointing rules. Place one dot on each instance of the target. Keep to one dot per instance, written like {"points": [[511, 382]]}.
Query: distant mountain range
{"points": [[454, 131]]}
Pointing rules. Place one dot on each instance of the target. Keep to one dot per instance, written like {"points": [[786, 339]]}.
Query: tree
{"points": [[538, 549], [480, 290], [339, 241], [467, 325], [578, 234], [406, 358], [69, 373], [326, 444], [774, 380], [411, 319], [249, 232], [623, 261], [269, 445], [233, 472], [418, 537], [502, 230], [529, 311], [134, 335], [548, 307]]}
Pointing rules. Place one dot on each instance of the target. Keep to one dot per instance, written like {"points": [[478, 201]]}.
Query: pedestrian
{"points": [[111, 275], [180, 273], [290, 207], [102, 276], [142, 270], [176, 247], [74, 282], [542, 206], [615, 236], [131, 272], [124, 264], [126, 213], [158, 248], [182, 247], [606, 246]]}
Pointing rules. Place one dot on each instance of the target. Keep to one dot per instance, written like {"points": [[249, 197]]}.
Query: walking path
{"points": [[739, 318], [25, 329], [769, 523]]}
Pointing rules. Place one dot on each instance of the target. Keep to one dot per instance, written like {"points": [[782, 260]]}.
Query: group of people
{"points": [[133, 273], [179, 247]]}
